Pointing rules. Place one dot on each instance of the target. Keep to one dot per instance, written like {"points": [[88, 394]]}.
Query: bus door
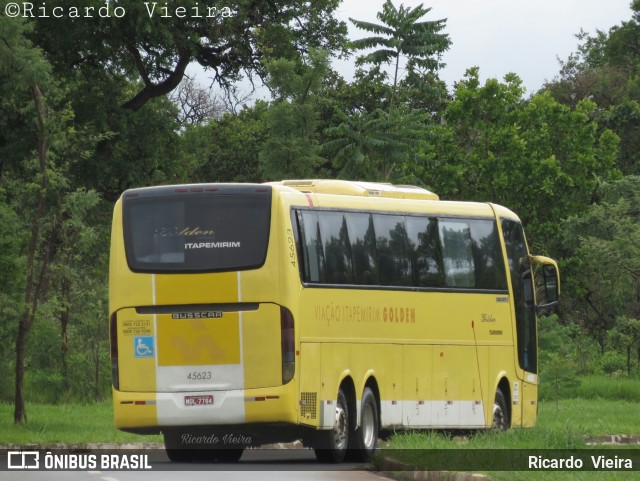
{"points": [[525, 389]]}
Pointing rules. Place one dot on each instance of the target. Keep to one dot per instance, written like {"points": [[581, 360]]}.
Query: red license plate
{"points": [[198, 400]]}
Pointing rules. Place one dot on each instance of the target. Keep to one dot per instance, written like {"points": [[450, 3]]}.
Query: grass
{"points": [[596, 388], [65, 423], [598, 406]]}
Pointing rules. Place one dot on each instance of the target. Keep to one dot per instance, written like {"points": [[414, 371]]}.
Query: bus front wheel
{"points": [[331, 445], [500, 413]]}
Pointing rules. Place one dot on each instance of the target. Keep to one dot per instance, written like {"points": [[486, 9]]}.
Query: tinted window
{"points": [[363, 248], [521, 281], [313, 259], [424, 248], [199, 232], [457, 255], [487, 255], [393, 250], [337, 248]]}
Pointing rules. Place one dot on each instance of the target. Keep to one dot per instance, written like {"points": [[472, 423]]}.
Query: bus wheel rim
{"points": [[368, 427], [340, 428]]}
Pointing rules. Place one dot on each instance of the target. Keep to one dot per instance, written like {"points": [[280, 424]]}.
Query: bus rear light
{"points": [[288, 344], [113, 341]]}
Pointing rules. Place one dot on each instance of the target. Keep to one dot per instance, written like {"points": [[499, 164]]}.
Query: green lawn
{"points": [[66, 423], [563, 424]]}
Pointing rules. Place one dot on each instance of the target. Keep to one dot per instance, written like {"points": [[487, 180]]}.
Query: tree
{"points": [[36, 178], [403, 36], [291, 150], [602, 266], [375, 146], [605, 70], [626, 334], [25, 70], [538, 157], [226, 150], [196, 104], [155, 42]]}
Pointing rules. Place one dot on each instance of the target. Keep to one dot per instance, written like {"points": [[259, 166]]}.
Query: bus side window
{"points": [[312, 252], [337, 248], [363, 248], [425, 252], [487, 255], [393, 250], [457, 254], [522, 287]]}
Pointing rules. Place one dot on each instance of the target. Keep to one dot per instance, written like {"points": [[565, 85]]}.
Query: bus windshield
{"points": [[196, 231]]}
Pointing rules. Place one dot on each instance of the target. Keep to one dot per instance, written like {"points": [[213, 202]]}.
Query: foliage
{"points": [[538, 157], [603, 265], [291, 148], [605, 70], [402, 35], [374, 146], [154, 48]]}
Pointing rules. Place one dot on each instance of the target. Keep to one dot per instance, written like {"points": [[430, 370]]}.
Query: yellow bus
{"points": [[321, 310]]}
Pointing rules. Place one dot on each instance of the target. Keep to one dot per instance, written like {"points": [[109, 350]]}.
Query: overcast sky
{"points": [[502, 36]]}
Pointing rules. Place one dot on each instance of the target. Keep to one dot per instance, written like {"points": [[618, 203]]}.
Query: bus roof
{"points": [[366, 189], [335, 192], [331, 192]]}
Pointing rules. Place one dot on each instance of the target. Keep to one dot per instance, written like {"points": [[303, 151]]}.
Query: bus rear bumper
{"points": [[148, 412]]}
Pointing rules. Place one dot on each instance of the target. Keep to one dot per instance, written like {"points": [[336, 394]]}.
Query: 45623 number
{"points": [[200, 376]]}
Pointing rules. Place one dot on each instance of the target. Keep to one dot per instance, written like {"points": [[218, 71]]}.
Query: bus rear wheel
{"points": [[365, 438], [331, 445]]}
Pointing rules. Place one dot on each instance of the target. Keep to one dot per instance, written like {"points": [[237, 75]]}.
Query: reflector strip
{"points": [[309, 199], [260, 398]]}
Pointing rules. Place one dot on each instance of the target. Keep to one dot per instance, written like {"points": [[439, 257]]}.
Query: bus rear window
{"points": [[196, 232]]}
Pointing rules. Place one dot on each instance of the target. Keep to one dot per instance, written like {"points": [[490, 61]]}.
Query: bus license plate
{"points": [[198, 400]]}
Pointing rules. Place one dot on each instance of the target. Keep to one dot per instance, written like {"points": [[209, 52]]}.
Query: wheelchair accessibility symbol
{"points": [[143, 346]]}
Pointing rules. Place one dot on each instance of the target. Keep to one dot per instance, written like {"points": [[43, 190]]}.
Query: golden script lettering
{"points": [[186, 232]]}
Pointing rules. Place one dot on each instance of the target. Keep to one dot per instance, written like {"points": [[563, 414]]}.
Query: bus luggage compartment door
{"points": [[199, 350]]}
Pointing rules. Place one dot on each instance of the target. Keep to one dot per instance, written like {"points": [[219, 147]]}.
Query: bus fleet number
{"points": [[200, 376], [292, 247]]}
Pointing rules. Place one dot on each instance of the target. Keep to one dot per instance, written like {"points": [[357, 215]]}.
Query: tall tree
{"points": [[605, 69], [292, 148], [24, 70], [154, 42], [602, 262], [403, 37]]}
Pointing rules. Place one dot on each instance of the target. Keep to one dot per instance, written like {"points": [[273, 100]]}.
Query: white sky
{"points": [[502, 36]]}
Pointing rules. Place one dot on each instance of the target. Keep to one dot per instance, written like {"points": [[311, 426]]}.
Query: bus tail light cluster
{"points": [[288, 344], [113, 341]]}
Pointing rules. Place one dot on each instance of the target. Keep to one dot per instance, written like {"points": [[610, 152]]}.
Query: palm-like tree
{"points": [[402, 35]]}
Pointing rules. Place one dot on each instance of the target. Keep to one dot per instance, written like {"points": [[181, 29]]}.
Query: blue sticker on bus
{"points": [[143, 346]]}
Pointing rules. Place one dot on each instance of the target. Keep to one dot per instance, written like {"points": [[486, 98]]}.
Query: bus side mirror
{"points": [[547, 282]]}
